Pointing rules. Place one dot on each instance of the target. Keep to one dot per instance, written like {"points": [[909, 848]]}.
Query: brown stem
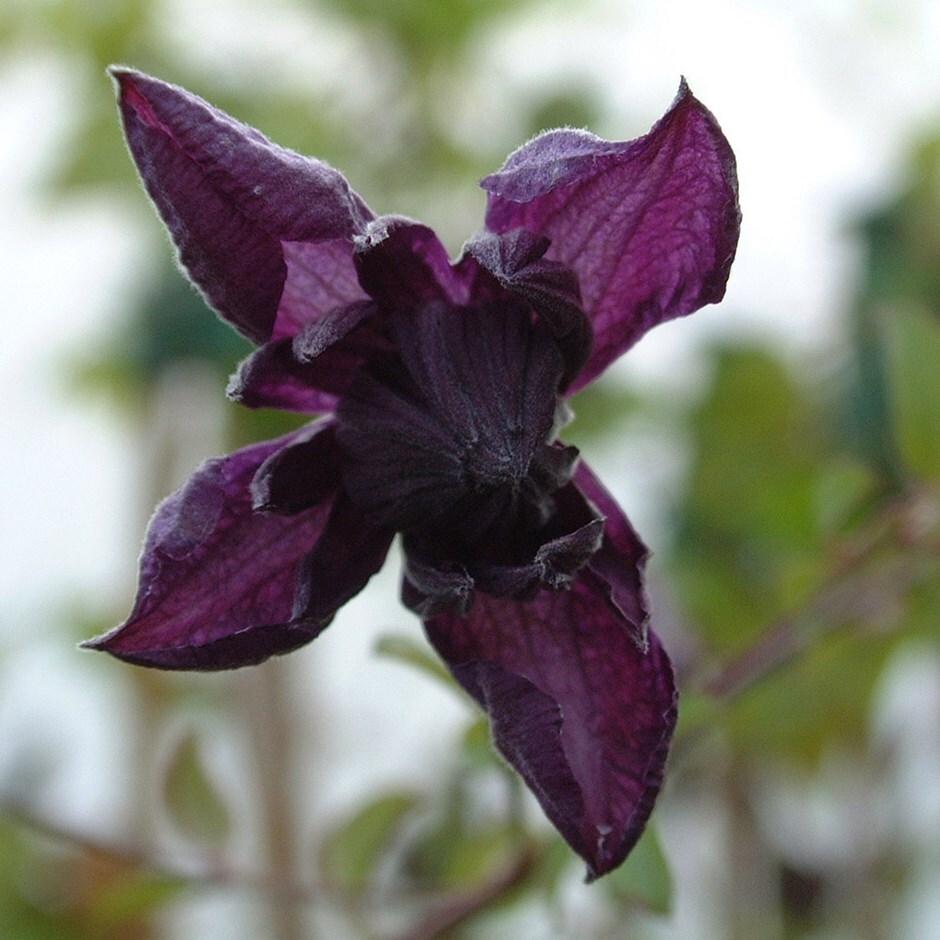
{"points": [[267, 708], [461, 906]]}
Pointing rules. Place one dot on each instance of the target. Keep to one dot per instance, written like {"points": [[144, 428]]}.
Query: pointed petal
{"points": [[577, 707], [622, 556], [217, 580], [649, 226], [232, 200]]}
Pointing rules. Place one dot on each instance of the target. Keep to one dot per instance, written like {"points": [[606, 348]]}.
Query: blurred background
{"points": [[780, 453]]}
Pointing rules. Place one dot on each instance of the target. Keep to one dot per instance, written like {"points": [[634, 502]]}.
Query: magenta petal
{"points": [[232, 200], [217, 580], [649, 226], [620, 560], [581, 711]]}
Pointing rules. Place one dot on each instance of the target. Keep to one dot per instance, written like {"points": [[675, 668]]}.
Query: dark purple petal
{"points": [[309, 371], [649, 226], [444, 438], [403, 265], [232, 200], [431, 587], [582, 712], [217, 579], [301, 474], [271, 377], [516, 261], [338, 567], [622, 556]]}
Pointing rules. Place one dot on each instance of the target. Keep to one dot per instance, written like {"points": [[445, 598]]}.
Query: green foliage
{"points": [[196, 807], [913, 340], [407, 650], [645, 878], [749, 514], [354, 851]]}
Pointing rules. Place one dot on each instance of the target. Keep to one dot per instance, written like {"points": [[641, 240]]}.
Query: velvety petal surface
{"points": [[402, 264], [649, 226], [516, 261], [217, 580], [311, 370], [620, 560], [582, 712], [265, 233]]}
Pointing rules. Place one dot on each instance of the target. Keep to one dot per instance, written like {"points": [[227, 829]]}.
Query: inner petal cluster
{"points": [[453, 431]]}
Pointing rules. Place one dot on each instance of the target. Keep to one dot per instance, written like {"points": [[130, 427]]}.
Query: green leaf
{"points": [[195, 805], [351, 853], [407, 650], [645, 878], [914, 379], [134, 896]]}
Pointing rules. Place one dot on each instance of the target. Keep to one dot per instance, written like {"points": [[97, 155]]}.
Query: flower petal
{"points": [[402, 264], [217, 580], [301, 474], [622, 555], [271, 377], [577, 707], [338, 567], [308, 372], [649, 226], [516, 261], [232, 200]]}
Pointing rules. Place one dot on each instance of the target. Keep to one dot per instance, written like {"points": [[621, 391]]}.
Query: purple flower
{"points": [[441, 388]]}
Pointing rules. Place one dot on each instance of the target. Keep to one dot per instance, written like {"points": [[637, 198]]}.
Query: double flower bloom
{"points": [[441, 388]]}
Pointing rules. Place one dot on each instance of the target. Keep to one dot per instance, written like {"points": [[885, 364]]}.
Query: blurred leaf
{"points": [[134, 896], [195, 805], [645, 878], [914, 362], [749, 518], [598, 410], [354, 850], [477, 747], [425, 29], [406, 650]]}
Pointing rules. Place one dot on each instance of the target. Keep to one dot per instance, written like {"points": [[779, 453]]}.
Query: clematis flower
{"points": [[441, 387]]}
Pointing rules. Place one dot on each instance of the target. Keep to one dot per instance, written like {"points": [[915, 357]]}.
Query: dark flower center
{"points": [[453, 432]]}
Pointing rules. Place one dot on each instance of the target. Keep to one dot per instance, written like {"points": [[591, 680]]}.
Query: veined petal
{"points": [[217, 580], [338, 567], [258, 227], [649, 226], [516, 261], [577, 707]]}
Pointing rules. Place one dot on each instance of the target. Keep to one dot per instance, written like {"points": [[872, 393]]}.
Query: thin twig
{"points": [[459, 907], [864, 585]]}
